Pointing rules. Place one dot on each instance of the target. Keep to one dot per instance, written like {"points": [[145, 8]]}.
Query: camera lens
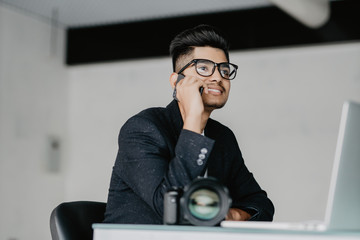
{"points": [[204, 204]]}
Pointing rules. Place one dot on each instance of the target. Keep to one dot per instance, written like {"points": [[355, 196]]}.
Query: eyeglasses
{"points": [[206, 68]]}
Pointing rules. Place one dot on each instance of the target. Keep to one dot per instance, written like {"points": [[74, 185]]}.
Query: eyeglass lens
{"points": [[206, 68]]}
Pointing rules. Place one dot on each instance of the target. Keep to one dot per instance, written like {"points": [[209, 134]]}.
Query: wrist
{"points": [[192, 124]]}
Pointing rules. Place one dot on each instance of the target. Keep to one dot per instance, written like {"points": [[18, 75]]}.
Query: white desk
{"points": [[159, 232]]}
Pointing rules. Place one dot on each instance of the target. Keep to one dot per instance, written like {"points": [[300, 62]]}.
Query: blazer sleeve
{"points": [[145, 164]]}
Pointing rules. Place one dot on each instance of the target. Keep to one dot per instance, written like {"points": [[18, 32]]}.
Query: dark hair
{"points": [[199, 36]]}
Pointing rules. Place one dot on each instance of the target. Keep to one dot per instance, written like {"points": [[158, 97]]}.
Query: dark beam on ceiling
{"points": [[246, 29]]}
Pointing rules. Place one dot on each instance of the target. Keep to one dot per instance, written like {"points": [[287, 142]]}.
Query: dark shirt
{"points": [[156, 154]]}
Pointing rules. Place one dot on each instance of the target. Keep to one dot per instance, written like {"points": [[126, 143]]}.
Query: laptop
{"points": [[343, 206]]}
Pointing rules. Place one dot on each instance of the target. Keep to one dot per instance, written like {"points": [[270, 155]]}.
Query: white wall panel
{"points": [[284, 108], [33, 110]]}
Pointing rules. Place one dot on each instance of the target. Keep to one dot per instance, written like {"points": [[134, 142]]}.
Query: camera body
{"points": [[204, 202]]}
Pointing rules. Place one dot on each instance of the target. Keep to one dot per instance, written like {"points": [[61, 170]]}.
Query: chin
{"points": [[214, 105]]}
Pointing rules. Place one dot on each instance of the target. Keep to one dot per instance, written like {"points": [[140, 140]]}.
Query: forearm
{"points": [[158, 168], [247, 194], [258, 206]]}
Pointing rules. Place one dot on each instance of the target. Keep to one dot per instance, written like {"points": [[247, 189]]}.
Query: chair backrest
{"points": [[73, 220]]}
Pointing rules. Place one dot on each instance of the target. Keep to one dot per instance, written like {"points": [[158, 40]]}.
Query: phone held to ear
{"points": [[181, 76]]}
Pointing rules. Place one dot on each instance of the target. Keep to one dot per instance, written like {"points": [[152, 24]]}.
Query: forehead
{"points": [[213, 54]]}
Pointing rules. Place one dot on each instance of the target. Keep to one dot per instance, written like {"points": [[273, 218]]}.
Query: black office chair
{"points": [[73, 220]]}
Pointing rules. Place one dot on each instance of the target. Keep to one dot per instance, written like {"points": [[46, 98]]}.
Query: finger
{"points": [[206, 88], [229, 215], [236, 216]]}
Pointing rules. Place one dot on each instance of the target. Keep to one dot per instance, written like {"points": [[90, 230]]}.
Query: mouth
{"points": [[216, 90]]}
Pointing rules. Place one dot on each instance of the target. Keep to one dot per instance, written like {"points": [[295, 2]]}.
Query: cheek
{"points": [[191, 72], [227, 85]]}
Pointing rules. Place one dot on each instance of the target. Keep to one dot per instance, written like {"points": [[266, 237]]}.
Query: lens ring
{"points": [[204, 204], [208, 216]]}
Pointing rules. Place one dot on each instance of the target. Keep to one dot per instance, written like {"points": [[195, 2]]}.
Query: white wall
{"points": [[102, 98], [284, 108], [33, 109]]}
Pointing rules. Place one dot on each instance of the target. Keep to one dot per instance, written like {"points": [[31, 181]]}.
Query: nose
{"points": [[216, 77]]}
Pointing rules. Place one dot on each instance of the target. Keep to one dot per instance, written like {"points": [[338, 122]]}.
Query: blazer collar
{"points": [[175, 116]]}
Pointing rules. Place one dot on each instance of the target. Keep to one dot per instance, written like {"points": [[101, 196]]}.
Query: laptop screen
{"points": [[343, 209]]}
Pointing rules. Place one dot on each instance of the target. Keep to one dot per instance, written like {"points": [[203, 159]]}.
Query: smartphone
{"points": [[181, 76]]}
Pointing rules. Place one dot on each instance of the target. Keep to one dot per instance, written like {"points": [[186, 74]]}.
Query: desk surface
{"points": [[159, 232]]}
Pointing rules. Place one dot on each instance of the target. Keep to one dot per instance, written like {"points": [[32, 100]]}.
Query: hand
{"points": [[190, 102], [236, 214]]}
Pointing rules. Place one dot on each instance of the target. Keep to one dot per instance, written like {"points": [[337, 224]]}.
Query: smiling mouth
{"points": [[214, 90]]}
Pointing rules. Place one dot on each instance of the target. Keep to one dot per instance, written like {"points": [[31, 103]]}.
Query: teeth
{"points": [[214, 90]]}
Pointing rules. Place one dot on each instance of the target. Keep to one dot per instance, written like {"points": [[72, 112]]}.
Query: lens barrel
{"points": [[205, 202]]}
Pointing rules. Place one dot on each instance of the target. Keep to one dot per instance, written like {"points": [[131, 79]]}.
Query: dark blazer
{"points": [[155, 154]]}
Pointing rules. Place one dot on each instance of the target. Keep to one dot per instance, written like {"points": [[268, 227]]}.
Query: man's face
{"points": [[219, 87]]}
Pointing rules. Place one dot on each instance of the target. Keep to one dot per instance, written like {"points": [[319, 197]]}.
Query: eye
{"points": [[202, 68], [225, 72]]}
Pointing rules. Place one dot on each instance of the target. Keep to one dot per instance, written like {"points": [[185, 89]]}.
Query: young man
{"points": [[161, 148]]}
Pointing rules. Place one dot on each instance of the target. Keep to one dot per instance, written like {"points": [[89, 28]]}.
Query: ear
{"points": [[173, 78]]}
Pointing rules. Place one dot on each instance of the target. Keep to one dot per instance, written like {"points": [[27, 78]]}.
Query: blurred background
{"points": [[73, 71]]}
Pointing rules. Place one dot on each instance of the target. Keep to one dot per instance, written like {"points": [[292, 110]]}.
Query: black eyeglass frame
{"points": [[213, 70]]}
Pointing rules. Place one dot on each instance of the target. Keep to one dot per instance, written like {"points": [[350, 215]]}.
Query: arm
{"points": [[150, 164], [246, 193]]}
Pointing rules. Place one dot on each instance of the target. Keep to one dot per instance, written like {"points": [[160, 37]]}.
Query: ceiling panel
{"points": [[71, 13]]}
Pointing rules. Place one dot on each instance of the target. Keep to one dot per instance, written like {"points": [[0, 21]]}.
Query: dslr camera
{"points": [[204, 202]]}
